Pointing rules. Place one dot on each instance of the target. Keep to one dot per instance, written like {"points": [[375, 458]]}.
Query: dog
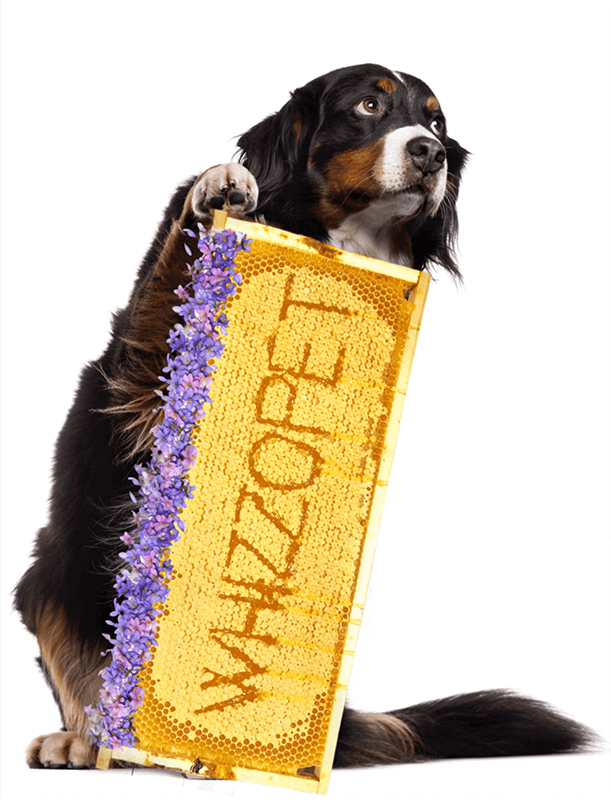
{"points": [[359, 159]]}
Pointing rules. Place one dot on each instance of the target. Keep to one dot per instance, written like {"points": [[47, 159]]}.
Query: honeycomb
{"points": [[256, 639]]}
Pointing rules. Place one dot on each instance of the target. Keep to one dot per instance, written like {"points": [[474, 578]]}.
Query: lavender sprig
{"points": [[164, 488]]}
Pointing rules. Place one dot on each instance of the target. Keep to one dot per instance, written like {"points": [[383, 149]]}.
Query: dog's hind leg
{"points": [[71, 667]]}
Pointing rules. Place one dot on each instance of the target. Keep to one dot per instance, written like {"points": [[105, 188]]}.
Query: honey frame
{"points": [[415, 289]]}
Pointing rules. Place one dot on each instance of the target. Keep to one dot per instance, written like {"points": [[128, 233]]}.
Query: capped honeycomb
{"points": [[256, 639]]}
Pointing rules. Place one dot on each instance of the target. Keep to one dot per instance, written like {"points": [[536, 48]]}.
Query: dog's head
{"points": [[361, 155]]}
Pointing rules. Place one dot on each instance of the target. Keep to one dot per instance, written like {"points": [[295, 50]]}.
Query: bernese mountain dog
{"points": [[360, 159]]}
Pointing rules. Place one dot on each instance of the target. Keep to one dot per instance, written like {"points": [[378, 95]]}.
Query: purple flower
{"points": [[163, 483]]}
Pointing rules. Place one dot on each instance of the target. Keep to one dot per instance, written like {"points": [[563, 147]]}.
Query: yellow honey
{"points": [[257, 637]]}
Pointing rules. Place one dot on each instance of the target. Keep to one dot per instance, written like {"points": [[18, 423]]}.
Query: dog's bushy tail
{"points": [[478, 725]]}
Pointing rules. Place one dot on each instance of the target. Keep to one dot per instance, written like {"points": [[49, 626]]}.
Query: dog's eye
{"points": [[368, 106], [437, 126]]}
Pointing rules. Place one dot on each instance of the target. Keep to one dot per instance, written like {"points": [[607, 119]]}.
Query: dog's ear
{"points": [[279, 146], [434, 238]]}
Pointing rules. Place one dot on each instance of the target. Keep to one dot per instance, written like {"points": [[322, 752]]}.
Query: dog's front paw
{"points": [[61, 750], [229, 187]]}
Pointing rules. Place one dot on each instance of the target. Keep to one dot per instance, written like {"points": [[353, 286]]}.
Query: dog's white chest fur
{"points": [[368, 232]]}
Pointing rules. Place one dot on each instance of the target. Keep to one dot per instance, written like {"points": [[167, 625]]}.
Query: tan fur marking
{"points": [[345, 173], [432, 104], [353, 170], [386, 85], [399, 731], [133, 387], [331, 214], [297, 127], [73, 666], [61, 749], [139, 417], [135, 380]]}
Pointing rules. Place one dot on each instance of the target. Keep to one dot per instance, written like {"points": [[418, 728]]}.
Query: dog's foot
{"points": [[62, 750], [227, 187]]}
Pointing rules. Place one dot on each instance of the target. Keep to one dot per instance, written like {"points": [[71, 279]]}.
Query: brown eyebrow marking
{"points": [[297, 127], [432, 103], [386, 85]]}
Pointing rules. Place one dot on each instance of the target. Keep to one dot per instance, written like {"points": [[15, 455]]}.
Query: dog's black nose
{"points": [[427, 154]]}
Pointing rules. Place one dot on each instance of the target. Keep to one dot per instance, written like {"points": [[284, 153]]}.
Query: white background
{"points": [[493, 566]]}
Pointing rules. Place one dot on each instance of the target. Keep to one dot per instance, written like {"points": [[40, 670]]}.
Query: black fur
{"points": [[488, 724]]}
